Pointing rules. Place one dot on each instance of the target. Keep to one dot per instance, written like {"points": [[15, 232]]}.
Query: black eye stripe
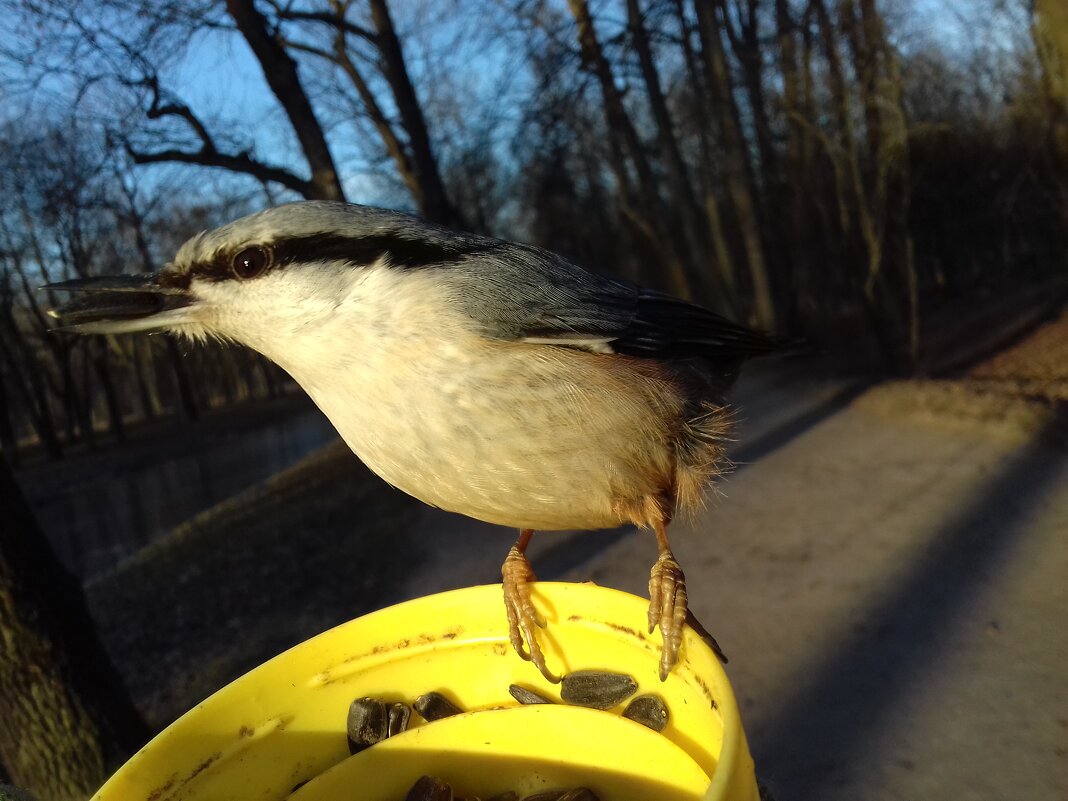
{"points": [[366, 250], [362, 250]]}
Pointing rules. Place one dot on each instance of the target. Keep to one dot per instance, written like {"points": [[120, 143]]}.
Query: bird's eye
{"points": [[250, 263]]}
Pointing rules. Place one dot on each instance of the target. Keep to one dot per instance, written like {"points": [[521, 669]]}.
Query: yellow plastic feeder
{"points": [[279, 731]]}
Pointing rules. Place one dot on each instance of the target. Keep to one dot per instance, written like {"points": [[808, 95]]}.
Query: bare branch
{"points": [[302, 47], [158, 109], [240, 162], [333, 20]]}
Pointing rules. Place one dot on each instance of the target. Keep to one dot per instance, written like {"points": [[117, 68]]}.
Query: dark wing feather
{"points": [[666, 325], [521, 292]]}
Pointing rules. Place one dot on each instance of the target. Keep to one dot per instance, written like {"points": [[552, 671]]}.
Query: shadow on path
{"points": [[831, 718], [781, 435]]}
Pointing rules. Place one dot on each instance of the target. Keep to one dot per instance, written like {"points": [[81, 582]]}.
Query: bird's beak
{"points": [[120, 304]]}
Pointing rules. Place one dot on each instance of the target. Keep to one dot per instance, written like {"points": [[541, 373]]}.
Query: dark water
{"points": [[97, 517]]}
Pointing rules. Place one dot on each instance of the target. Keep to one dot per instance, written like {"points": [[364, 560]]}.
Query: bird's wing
{"points": [[525, 293]]}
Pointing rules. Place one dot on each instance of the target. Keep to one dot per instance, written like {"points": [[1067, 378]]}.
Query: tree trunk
{"points": [[143, 376], [27, 378], [436, 202], [880, 182], [188, 405], [717, 236], [88, 401], [646, 210], [768, 194], [76, 410], [737, 168], [747, 49], [64, 715], [863, 42], [848, 178], [393, 144], [116, 424], [798, 154], [706, 279], [280, 70], [8, 440], [1050, 33], [893, 192]]}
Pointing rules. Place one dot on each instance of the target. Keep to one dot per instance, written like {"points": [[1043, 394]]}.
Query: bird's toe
{"points": [[667, 608], [523, 618]]}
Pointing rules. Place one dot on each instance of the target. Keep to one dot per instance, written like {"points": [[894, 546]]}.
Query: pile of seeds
{"points": [[431, 788], [372, 720]]}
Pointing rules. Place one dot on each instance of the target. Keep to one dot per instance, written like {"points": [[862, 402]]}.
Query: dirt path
{"points": [[886, 573]]}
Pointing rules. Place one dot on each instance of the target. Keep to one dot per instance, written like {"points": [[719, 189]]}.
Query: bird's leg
{"points": [[667, 600], [523, 618]]}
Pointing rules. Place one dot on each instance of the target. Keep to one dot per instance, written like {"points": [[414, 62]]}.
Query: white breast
{"points": [[520, 434]]}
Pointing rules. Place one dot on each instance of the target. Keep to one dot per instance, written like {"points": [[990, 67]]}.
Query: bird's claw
{"points": [[523, 618], [667, 608]]}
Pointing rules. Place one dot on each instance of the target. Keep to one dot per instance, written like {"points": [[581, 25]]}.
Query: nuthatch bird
{"points": [[484, 377]]}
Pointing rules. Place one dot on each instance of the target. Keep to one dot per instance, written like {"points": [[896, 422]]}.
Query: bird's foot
{"points": [[523, 618], [667, 607]]}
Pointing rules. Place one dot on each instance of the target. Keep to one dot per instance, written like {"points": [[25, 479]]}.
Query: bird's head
{"points": [[259, 280]]}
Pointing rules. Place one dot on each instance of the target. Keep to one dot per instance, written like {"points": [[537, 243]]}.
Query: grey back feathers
{"points": [[512, 291]]}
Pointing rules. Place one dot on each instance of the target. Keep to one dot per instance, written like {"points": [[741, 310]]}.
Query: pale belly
{"points": [[518, 435]]}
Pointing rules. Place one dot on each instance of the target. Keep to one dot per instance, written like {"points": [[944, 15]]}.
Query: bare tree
{"points": [[737, 166], [129, 60], [889, 285], [407, 141], [719, 286], [641, 204]]}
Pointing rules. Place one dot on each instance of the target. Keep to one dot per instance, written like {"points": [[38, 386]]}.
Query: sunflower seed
{"points": [[367, 724], [648, 710], [563, 794], [435, 706], [525, 696], [579, 794], [597, 689], [399, 715], [429, 788]]}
